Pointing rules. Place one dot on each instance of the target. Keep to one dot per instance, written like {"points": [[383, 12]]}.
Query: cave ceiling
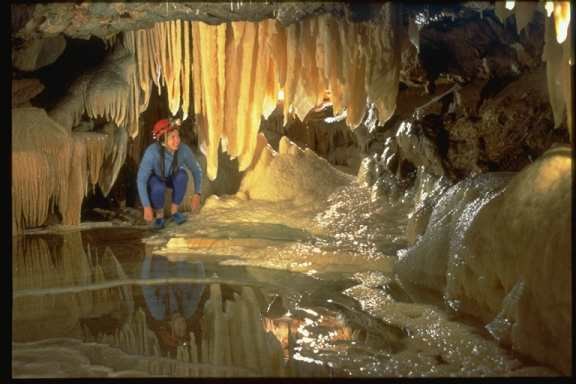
{"points": [[83, 20]]}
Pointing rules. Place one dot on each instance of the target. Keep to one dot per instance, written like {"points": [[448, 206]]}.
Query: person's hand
{"points": [[148, 214], [195, 203]]}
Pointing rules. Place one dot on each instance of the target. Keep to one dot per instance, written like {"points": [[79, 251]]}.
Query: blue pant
{"points": [[156, 188]]}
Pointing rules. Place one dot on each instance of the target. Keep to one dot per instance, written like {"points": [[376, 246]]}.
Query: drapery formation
{"points": [[235, 72], [52, 167]]}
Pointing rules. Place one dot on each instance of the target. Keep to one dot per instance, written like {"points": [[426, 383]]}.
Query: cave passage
{"points": [[386, 190]]}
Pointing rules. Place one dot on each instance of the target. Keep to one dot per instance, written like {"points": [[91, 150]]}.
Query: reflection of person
{"points": [[172, 303], [162, 166]]}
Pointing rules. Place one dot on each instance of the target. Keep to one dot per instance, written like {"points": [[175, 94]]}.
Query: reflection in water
{"points": [[102, 304], [43, 264], [172, 304]]}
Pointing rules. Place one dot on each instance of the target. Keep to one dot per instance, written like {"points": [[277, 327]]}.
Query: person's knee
{"points": [[181, 177], [156, 186]]}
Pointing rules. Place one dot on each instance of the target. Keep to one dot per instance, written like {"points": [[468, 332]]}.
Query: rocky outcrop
{"points": [[23, 90], [498, 247], [34, 54]]}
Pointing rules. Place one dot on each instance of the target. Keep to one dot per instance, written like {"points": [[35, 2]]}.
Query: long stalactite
{"points": [[238, 69]]}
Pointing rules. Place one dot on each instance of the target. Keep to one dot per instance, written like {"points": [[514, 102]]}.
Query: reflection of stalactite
{"points": [[35, 267], [233, 339], [134, 337], [32, 189], [236, 336]]}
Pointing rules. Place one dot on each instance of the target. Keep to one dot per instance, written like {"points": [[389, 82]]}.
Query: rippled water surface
{"points": [[243, 289]]}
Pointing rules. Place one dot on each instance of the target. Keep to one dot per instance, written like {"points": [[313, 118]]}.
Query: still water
{"points": [[243, 289]]}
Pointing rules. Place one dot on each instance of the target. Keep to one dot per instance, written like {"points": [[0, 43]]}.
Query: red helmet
{"points": [[164, 126]]}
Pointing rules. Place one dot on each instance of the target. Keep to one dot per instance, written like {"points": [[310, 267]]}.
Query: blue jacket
{"points": [[150, 164]]}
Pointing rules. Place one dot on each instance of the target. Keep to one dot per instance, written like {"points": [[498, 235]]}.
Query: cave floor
{"points": [[268, 289]]}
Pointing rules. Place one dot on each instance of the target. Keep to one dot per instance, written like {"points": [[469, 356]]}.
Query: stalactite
{"points": [[355, 72], [211, 93], [277, 45], [293, 61], [186, 67], [95, 144], [552, 54], [234, 53], [199, 107], [382, 80], [175, 56], [78, 183], [256, 96], [145, 62], [306, 88], [33, 131], [33, 184], [116, 150]]}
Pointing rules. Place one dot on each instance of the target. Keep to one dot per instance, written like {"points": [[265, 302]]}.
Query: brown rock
{"points": [[25, 89]]}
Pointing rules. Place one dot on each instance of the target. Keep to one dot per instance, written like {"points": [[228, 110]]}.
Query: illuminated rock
{"points": [[485, 249], [290, 174]]}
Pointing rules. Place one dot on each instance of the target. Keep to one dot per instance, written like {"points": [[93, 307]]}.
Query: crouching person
{"points": [[161, 167]]}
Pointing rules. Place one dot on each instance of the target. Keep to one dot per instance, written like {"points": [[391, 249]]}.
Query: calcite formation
{"points": [[238, 69], [498, 247]]}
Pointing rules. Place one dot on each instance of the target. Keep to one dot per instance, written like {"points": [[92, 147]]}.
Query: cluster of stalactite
{"points": [[235, 72], [558, 52], [52, 167], [40, 167]]}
